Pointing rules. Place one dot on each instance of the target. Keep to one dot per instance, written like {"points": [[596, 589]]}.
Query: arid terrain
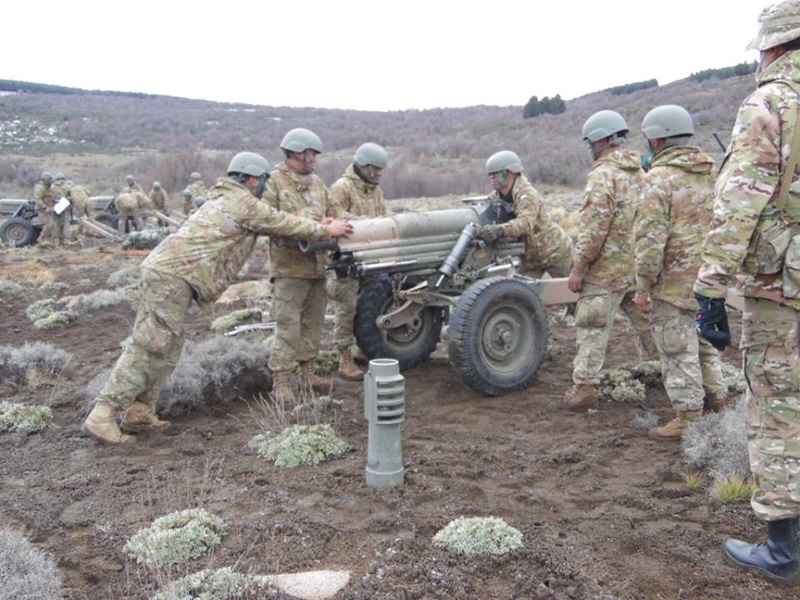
{"points": [[605, 511]]}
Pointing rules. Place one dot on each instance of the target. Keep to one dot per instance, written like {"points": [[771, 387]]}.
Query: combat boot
{"points": [[310, 381], [142, 417], [102, 424], [778, 558], [581, 398], [675, 428], [347, 367], [282, 386], [714, 404]]}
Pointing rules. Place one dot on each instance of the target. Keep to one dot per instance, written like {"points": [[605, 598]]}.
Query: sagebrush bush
{"points": [[101, 299], [210, 371], [10, 288], [126, 277], [299, 445], [222, 584], [620, 385], [26, 573], [717, 443], [40, 309], [176, 538], [44, 315], [478, 535], [25, 418], [53, 288], [17, 363], [237, 317]]}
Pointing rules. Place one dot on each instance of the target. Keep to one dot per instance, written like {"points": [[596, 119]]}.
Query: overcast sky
{"points": [[380, 55]]}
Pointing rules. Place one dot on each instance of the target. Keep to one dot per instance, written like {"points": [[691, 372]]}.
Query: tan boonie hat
{"points": [[778, 23]]}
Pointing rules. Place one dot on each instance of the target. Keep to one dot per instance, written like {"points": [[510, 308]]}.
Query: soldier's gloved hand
{"points": [[711, 320], [492, 233]]}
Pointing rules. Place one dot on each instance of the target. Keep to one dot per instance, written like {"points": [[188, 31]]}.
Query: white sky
{"points": [[354, 54]]}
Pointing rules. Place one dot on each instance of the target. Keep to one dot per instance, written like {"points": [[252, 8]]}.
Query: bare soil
{"points": [[604, 510]]}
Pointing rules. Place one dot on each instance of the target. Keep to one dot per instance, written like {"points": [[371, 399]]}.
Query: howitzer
{"points": [[422, 270]]}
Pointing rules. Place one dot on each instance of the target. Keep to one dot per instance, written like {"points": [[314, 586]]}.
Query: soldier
{"points": [[196, 185], [756, 229], [196, 263], [46, 195], [603, 267], [298, 278], [131, 183], [128, 206], [547, 246], [188, 202], [672, 218], [78, 197], [159, 197], [356, 194]]}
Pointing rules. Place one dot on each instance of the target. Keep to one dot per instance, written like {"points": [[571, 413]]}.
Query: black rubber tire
{"points": [[498, 336], [410, 346], [108, 219], [18, 232]]}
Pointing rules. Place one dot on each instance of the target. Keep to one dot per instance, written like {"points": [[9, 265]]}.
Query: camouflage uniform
{"points": [[744, 213], [159, 198], [298, 293], [55, 226], [547, 246], [128, 206], [350, 198], [604, 257], [79, 200], [196, 263], [671, 220]]}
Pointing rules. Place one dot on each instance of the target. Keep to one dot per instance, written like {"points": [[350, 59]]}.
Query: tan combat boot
{"points": [[580, 398], [310, 381], [714, 405], [675, 428], [282, 386], [102, 424], [142, 417], [347, 367]]}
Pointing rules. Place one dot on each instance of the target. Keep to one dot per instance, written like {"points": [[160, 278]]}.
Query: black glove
{"points": [[712, 321], [492, 233]]}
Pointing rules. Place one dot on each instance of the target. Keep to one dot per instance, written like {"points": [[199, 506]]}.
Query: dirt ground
{"points": [[604, 510]]}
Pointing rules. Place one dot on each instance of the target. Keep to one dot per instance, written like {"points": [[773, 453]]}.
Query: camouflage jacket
{"points": [[604, 250], [543, 237], [749, 181], [210, 248], [159, 198], [135, 187], [672, 218], [351, 197], [198, 188], [302, 195], [77, 195], [46, 196], [126, 201]]}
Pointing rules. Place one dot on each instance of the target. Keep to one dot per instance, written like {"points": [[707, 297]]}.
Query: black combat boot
{"points": [[778, 558]]}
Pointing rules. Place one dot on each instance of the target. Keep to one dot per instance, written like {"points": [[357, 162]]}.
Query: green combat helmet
{"points": [[604, 124], [778, 24], [187, 194], [667, 121], [194, 176], [249, 163], [47, 177], [59, 177], [300, 140], [371, 154], [156, 185], [368, 162], [199, 201], [505, 160]]}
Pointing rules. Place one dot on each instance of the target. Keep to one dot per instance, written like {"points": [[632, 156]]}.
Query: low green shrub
{"points": [[24, 418], [300, 445], [26, 573], [222, 584], [478, 535]]}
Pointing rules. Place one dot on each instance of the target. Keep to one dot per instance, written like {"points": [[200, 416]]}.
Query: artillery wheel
{"points": [[18, 232], [108, 219], [498, 336], [410, 344]]}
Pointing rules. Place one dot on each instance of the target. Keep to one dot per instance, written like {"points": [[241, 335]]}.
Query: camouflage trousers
{"points": [[343, 294], [556, 264], [772, 368], [298, 309], [135, 214], [594, 316], [686, 379], [56, 227], [152, 351]]}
